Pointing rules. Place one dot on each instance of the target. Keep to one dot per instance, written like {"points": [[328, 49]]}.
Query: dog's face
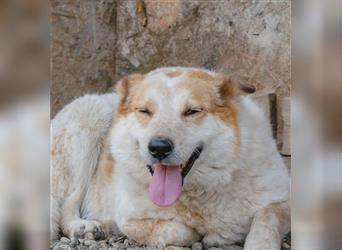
{"points": [[177, 120]]}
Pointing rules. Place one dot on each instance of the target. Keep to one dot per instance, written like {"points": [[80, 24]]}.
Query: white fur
{"points": [[226, 190]]}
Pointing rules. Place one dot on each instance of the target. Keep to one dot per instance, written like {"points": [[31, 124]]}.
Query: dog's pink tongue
{"points": [[166, 185]]}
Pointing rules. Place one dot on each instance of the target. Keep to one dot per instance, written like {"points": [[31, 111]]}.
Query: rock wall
{"points": [[94, 43]]}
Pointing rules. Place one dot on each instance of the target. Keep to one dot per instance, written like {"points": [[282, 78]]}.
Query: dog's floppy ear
{"points": [[123, 86], [231, 87]]}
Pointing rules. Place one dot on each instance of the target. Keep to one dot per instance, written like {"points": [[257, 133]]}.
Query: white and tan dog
{"points": [[177, 157]]}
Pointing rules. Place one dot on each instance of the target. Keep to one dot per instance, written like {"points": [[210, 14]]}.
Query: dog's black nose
{"points": [[160, 147]]}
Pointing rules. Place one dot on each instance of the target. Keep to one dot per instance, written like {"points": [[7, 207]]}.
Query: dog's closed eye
{"points": [[192, 111], [144, 111]]}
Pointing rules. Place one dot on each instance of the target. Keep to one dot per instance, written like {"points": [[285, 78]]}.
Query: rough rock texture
{"points": [[94, 43], [250, 39], [83, 49]]}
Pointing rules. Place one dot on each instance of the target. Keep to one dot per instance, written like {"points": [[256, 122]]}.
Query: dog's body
{"points": [[237, 188]]}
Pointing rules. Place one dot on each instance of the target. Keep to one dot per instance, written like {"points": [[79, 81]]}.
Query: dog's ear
{"points": [[126, 83], [232, 87]]}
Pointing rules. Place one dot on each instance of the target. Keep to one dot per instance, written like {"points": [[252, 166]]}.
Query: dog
{"points": [[175, 156]]}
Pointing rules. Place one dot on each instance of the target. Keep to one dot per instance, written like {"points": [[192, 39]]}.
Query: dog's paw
{"points": [[85, 229]]}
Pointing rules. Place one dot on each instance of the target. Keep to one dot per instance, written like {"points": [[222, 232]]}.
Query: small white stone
{"points": [[126, 242], [285, 245], [65, 240], [89, 242], [89, 236], [60, 246]]}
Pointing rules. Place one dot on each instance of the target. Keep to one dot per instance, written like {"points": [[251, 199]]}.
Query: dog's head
{"points": [[175, 120]]}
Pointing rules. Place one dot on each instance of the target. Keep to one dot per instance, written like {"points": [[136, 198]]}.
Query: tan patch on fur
{"points": [[124, 88], [144, 119], [192, 216], [213, 94], [106, 164], [143, 231], [280, 210], [201, 75], [57, 150], [227, 89], [173, 73], [134, 100], [202, 91], [125, 84], [207, 89], [122, 110], [228, 114]]}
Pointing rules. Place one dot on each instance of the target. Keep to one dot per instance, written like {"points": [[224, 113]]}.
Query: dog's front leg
{"points": [[73, 225], [268, 227], [155, 232]]}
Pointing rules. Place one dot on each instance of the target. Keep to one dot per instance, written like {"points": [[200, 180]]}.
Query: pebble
{"points": [[232, 247], [285, 245], [74, 242], [89, 236], [197, 246], [103, 245], [61, 246], [126, 242], [215, 248], [89, 242], [65, 240], [97, 247], [116, 246], [112, 240]]}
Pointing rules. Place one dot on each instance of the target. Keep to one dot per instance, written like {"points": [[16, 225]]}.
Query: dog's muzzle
{"points": [[167, 180], [189, 164]]}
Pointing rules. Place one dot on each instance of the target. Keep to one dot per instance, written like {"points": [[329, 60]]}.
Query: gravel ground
{"points": [[118, 242]]}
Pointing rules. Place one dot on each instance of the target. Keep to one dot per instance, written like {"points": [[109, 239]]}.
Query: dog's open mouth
{"points": [[167, 180]]}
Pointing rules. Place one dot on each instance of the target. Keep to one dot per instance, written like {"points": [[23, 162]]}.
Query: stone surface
{"points": [[197, 246], [162, 15], [232, 247], [82, 49], [94, 43], [285, 123]]}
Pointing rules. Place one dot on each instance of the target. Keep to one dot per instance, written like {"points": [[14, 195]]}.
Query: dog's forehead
{"points": [[160, 86], [178, 86], [166, 80], [163, 80]]}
